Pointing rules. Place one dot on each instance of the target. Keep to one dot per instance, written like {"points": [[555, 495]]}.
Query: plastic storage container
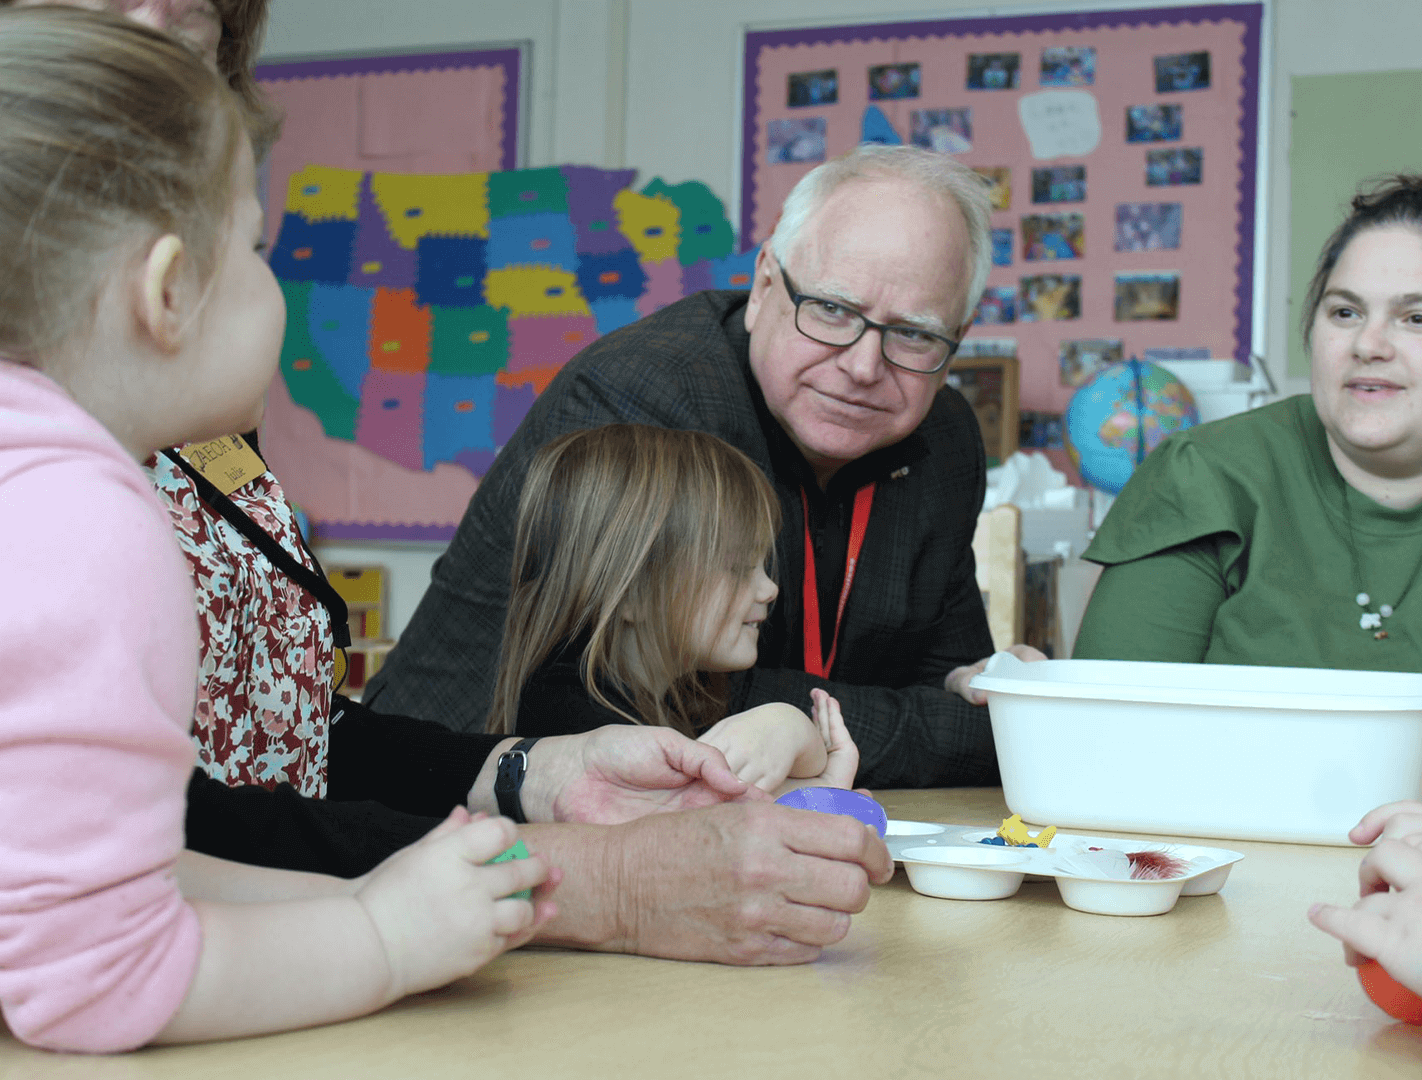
{"points": [[1248, 753]]}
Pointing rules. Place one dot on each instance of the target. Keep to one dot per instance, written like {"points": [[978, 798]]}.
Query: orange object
{"points": [[1388, 994], [399, 332]]}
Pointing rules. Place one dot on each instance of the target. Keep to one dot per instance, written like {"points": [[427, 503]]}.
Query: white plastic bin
{"points": [[1218, 750]]}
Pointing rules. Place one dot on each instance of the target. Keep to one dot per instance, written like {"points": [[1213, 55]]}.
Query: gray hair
{"points": [[930, 170]]}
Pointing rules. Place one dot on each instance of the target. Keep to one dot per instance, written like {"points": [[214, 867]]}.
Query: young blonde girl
{"points": [[137, 313], [639, 580]]}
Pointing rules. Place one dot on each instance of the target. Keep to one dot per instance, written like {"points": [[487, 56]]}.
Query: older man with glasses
{"points": [[830, 375]]}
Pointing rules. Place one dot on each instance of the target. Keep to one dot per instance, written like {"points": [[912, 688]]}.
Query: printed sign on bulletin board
{"points": [[1119, 146]]}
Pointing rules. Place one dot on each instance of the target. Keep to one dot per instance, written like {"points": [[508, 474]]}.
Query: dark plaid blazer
{"points": [[914, 612]]}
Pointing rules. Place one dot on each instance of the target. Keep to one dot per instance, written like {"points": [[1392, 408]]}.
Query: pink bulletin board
{"points": [[447, 112], [434, 289], [1160, 266]]}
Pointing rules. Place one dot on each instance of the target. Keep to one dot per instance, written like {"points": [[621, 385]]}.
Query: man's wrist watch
{"points": [[513, 767]]}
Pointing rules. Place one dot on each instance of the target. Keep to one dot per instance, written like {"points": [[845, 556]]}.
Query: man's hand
{"points": [[739, 884], [958, 679], [622, 772]]}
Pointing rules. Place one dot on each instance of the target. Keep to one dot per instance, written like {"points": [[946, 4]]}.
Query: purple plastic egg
{"points": [[833, 800]]}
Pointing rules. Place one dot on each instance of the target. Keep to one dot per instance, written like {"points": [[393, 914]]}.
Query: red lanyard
{"points": [[816, 663]]}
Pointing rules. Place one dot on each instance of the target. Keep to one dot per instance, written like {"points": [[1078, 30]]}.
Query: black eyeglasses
{"points": [[905, 347]]}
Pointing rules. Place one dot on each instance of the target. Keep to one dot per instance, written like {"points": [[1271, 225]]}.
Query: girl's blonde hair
{"points": [[111, 135], [625, 533]]}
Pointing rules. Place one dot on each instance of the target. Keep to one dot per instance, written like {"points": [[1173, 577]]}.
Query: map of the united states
{"points": [[425, 313]]}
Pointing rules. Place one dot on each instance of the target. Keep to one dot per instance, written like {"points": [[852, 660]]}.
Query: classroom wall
{"points": [[654, 84]]}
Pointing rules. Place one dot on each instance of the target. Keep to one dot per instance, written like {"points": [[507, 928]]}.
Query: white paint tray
{"points": [[951, 862], [1218, 750]]}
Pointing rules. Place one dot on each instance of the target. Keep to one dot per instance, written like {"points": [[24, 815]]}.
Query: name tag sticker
{"points": [[226, 463]]}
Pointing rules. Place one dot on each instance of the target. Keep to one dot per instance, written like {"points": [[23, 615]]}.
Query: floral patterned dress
{"points": [[264, 683]]}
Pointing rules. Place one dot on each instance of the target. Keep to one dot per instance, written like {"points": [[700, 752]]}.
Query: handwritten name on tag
{"points": [[226, 463]]}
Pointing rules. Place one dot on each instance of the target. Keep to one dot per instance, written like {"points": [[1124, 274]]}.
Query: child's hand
{"points": [[1395, 821], [440, 912], [769, 743], [843, 762], [1386, 924]]}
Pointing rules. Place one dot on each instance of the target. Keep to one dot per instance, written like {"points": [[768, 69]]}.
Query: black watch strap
{"points": [[513, 766]]}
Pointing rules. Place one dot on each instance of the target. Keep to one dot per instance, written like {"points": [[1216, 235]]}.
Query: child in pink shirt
{"points": [[135, 313]]}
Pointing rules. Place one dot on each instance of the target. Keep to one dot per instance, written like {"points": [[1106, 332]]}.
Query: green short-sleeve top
{"points": [[1244, 528]]}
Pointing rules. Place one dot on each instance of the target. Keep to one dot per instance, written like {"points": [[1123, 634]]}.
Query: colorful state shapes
{"points": [[663, 287], [378, 258], [511, 405], [614, 314], [321, 193], [548, 341], [735, 271], [338, 319], [619, 274], [468, 340], [458, 416], [696, 277], [527, 191], [650, 223], [309, 379], [313, 250], [535, 290], [416, 206], [705, 232], [391, 410], [478, 462], [450, 270], [399, 332], [539, 239], [590, 194], [538, 378]]}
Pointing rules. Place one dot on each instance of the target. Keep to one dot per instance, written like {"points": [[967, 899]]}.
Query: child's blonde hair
{"points": [[111, 135], [624, 535]]}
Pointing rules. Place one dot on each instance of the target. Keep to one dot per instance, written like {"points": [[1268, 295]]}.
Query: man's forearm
{"points": [[589, 895]]}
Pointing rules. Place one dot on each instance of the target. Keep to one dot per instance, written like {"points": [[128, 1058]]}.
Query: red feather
{"points": [[1155, 865]]}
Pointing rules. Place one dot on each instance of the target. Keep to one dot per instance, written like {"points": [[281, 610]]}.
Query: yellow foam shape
{"points": [[416, 206], [636, 214], [321, 193], [524, 290], [1015, 833]]}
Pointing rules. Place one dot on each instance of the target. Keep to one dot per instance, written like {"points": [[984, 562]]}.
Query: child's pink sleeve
{"points": [[98, 655]]}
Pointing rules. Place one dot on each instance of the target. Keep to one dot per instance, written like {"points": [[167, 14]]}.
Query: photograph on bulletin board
{"points": [[1120, 151]]}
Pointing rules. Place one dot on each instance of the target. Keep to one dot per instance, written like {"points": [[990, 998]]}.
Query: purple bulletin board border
{"points": [[1250, 15], [510, 59], [354, 530]]}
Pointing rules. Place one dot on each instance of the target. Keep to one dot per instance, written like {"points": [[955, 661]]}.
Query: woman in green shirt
{"points": [[1291, 535]]}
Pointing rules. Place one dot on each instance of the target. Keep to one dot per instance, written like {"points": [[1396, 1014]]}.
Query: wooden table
{"points": [[1233, 985]]}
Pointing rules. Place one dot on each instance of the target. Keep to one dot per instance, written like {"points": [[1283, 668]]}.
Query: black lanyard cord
{"points": [[314, 582]]}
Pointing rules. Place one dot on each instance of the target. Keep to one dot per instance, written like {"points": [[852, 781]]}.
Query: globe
{"points": [[1120, 416]]}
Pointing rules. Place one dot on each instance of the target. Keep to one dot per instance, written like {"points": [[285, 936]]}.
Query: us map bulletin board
{"points": [[339, 249], [434, 289], [1120, 148]]}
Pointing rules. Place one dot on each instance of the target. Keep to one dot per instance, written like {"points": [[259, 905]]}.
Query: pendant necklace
{"points": [[1369, 620]]}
